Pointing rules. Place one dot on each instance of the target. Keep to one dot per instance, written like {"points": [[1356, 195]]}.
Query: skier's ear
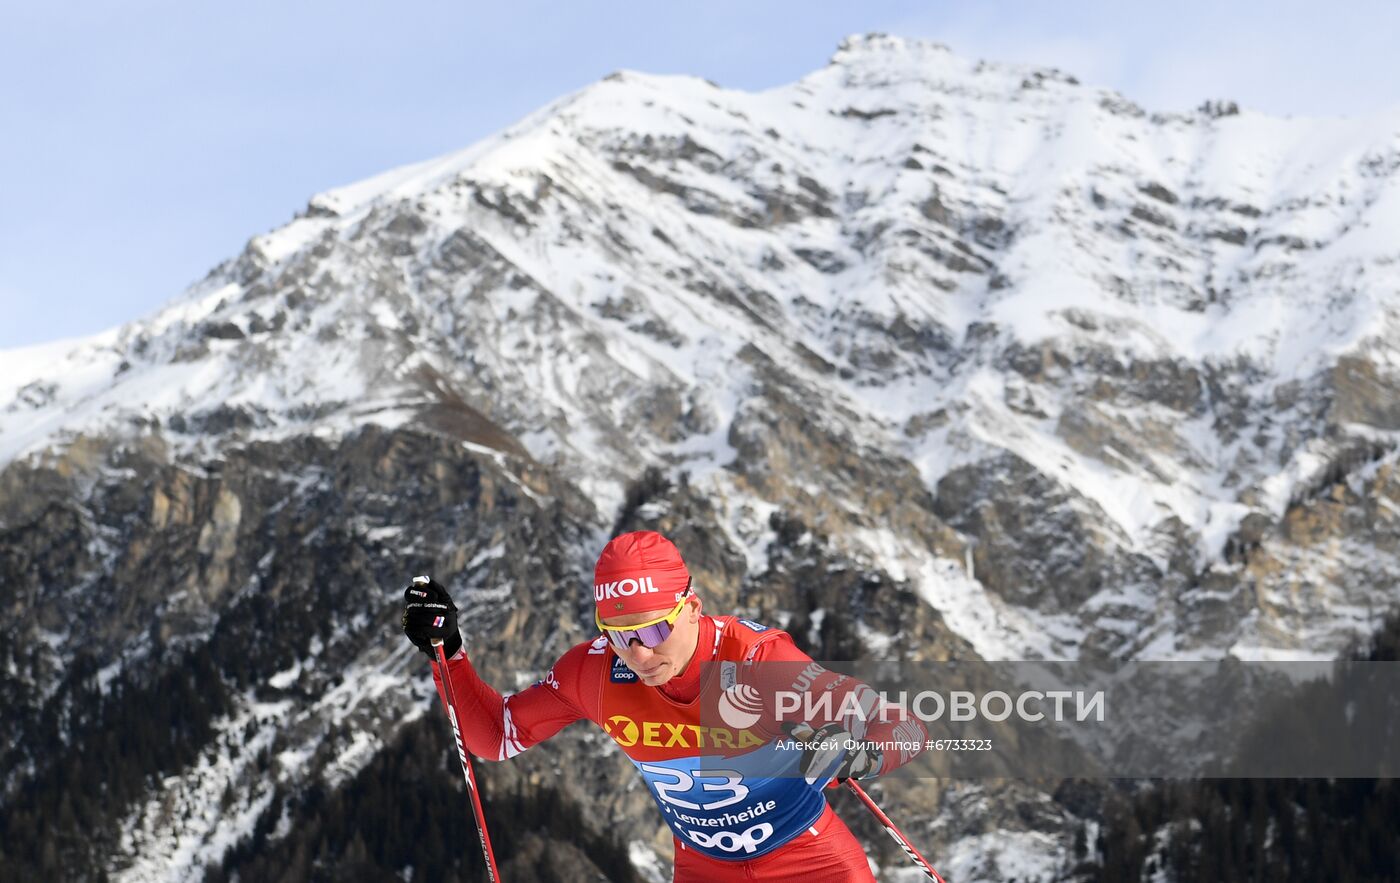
{"points": [[695, 605]]}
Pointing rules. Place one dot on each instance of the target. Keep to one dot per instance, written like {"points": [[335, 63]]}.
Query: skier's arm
{"points": [[497, 727], [493, 726], [898, 735]]}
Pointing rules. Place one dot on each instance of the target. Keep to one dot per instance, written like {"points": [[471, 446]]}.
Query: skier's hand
{"points": [[429, 615], [833, 752]]}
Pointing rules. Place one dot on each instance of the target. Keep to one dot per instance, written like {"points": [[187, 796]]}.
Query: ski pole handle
{"points": [[894, 832], [491, 870]]}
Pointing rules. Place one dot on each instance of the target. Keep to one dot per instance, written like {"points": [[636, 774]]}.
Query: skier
{"points": [[641, 681]]}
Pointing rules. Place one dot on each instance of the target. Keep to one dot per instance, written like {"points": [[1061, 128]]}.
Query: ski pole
{"points": [[491, 872], [894, 832]]}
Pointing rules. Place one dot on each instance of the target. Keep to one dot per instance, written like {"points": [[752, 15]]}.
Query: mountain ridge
{"points": [[865, 277]]}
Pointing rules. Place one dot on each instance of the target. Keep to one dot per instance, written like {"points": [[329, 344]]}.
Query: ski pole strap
{"points": [[894, 832], [491, 871]]}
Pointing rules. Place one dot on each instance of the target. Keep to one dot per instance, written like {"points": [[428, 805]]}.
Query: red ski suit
{"points": [[727, 823]]}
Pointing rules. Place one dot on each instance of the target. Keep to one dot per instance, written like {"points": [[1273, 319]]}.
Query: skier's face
{"points": [[657, 665]]}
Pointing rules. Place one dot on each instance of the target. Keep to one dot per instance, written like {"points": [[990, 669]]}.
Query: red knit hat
{"points": [[638, 572]]}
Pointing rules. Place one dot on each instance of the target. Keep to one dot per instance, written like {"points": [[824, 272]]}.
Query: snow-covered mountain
{"points": [[1069, 377]]}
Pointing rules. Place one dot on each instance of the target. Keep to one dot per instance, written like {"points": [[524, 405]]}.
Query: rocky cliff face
{"points": [[920, 357]]}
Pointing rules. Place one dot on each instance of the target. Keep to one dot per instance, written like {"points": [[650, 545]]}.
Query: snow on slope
{"points": [[601, 267], [194, 818]]}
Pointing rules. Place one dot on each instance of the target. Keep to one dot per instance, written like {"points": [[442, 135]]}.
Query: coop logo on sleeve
{"points": [[621, 674]]}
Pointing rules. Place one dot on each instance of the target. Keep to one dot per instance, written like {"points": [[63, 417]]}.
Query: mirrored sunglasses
{"points": [[650, 633]]}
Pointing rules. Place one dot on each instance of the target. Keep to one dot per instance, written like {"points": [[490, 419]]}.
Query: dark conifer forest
{"points": [[1244, 830], [406, 816]]}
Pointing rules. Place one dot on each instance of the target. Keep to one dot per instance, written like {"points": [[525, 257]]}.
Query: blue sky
{"points": [[145, 141]]}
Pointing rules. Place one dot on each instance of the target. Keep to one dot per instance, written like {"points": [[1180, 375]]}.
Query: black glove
{"points": [[429, 615], [832, 751]]}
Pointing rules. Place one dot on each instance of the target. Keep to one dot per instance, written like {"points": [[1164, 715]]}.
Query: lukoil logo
{"points": [[748, 840], [624, 588], [740, 706]]}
